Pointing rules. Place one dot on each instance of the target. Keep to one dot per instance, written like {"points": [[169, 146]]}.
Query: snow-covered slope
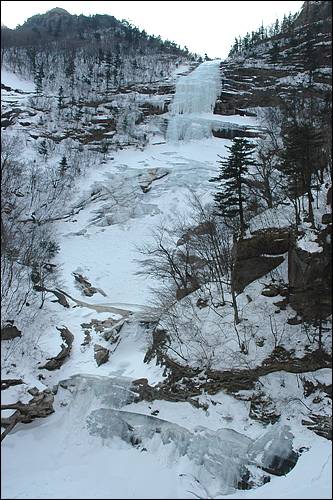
{"points": [[15, 81]]}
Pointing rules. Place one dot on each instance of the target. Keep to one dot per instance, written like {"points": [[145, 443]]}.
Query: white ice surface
{"points": [[14, 81]]}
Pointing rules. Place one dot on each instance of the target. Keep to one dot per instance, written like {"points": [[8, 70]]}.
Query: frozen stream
{"points": [[102, 241], [94, 428]]}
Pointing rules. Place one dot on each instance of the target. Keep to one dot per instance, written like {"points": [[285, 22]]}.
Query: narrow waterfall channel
{"points": [[194, 99]]}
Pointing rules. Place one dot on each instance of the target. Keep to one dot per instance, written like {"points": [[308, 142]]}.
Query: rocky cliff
{"points": [[276, 68]]}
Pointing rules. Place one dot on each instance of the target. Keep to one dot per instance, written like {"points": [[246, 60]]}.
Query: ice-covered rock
{"points": [[273, 451]]}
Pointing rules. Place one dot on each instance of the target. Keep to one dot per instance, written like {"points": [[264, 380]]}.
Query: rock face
{"points": [[263, 76], [57, 362], [326, 219], [320, 424], [40, 406], [310, 280], [313, 12], [101, 354], [9, 332], [258, 255], [86, 286]]}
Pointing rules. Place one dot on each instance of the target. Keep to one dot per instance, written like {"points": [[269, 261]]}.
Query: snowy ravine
{"points": [[99, 443]]}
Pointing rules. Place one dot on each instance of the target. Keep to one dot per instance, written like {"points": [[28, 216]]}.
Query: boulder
{"points": [[269, 242], [101, 354], [248, 270], [310, 281], [294, 321], [256, 256], [57, 362], [140, 381], [273, 451], [9, 332], [86, 286], [40, 406], [326, 219], [201, 303], [271, 291]]}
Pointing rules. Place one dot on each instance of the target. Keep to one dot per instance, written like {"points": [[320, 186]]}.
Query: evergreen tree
{"points": [[63, 166], [310, 60], [70, 70], [108, 65], [300, 157], [117, 69], [246, 41], [274, 52], [276, 27], [60, 97], [38, 79], [230, 197], [42, 149]]}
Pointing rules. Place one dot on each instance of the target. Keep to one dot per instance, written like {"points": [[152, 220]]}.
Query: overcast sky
{"points": [[208, 26]]}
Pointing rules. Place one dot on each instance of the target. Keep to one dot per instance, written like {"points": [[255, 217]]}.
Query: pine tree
{"points": [[230, 197], [302, 146], [70, 70], [63, 166], [108, 65], [42, 149], [38, 79], [117, 68], [60, 97], [274, 52], [276, 27], [310, 60]]}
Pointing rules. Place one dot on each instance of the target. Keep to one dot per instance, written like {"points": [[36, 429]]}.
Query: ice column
{"points": [[195, 95]]}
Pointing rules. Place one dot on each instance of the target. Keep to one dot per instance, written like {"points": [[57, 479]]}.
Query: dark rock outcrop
{"points": [[86, 286], [202, 229], [9, 332], [320, 424], [249, 270], [273, 456], [310, 282], [40, 406], [57, 362], [101, 354], [263, 409], [9, 382], [258, 255], [326, 219], [61, 299], [267, 73]]}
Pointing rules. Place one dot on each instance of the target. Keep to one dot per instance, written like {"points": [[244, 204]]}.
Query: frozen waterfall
{"points": [[195, 96]]}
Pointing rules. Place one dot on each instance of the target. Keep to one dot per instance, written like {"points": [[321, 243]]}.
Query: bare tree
{"points": [[27, 245]]}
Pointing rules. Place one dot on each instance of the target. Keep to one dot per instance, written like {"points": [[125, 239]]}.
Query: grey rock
{"points": [[101, 354]]}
